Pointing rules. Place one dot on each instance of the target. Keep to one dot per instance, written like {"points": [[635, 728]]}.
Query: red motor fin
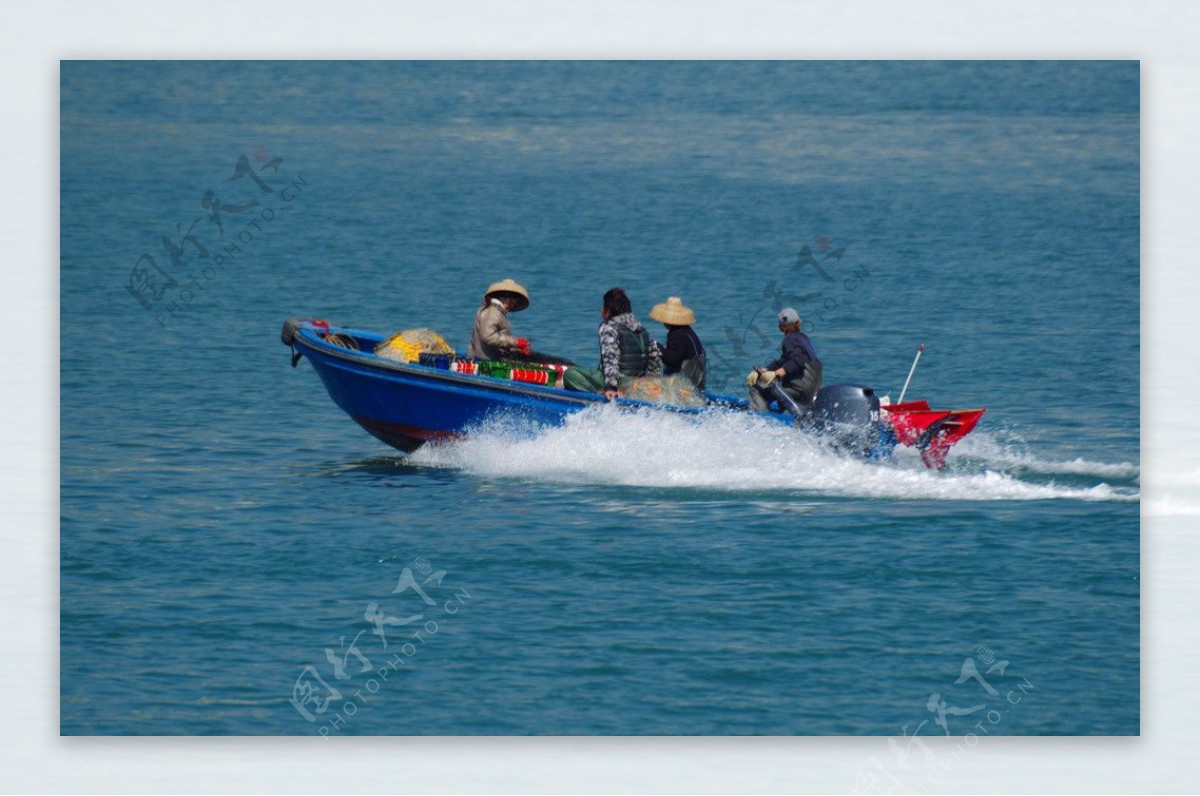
{"points": [[910, 424], [932, 431], [941, 438]]}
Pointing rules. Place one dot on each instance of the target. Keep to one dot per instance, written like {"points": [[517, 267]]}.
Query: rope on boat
{"points": [[342, 341]]}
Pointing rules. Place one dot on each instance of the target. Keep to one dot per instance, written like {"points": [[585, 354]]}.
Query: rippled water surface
{"points": [[224, 524]]}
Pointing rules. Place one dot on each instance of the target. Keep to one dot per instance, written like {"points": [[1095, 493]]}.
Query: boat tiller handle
{"points": [[786, 401]]}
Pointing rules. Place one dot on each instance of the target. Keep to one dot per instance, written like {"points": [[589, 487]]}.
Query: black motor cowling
{"points": [[848, 415]]}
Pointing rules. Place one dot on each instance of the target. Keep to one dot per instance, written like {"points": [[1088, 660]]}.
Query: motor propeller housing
{"points": [[848, 415]]}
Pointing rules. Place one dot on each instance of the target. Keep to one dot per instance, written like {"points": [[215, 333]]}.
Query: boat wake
{"points": [[737, 452]]}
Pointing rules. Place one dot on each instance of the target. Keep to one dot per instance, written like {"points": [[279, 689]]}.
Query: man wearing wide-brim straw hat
{"points": [[684, 352], [492, 336]]}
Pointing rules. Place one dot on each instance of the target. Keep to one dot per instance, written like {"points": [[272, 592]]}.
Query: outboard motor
{"points": [[848, 415]]}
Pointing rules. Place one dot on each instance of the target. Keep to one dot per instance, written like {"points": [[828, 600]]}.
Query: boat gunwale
{"points": [[374, 361]]}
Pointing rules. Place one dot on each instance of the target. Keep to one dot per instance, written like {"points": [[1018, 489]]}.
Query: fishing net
{"points": [[407, 346], [676, 389]]}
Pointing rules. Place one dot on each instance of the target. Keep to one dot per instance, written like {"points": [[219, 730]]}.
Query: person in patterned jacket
{"points": [[626, 350]]}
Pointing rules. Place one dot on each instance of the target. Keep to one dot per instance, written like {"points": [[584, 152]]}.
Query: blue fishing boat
{"points": [[409, 403]]}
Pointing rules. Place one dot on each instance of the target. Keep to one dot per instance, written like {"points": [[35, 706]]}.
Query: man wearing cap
{"points": [[492, 336], [798, 368]]}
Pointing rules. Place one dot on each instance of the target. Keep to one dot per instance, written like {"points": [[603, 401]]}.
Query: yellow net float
{"points": [[407, 346]]}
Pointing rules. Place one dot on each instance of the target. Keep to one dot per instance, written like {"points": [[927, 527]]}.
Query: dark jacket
{"points": [[803, 372], [796, 352], [685, 353]]}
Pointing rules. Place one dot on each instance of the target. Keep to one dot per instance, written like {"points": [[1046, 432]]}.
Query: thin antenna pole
{"points": [[920, 350]]}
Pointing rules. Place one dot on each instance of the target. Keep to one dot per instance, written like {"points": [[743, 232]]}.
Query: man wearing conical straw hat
{"points": [[492, 337], [684, 353]]}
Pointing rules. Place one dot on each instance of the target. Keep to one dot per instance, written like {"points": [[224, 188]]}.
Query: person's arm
{"points": [[496, 330], [610, 356], [794, 358]]}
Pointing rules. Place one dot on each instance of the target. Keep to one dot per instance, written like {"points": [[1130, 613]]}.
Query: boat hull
{"points": [[406, 404]]}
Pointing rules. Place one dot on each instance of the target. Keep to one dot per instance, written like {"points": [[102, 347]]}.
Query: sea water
{"points": [[238, 557]]}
